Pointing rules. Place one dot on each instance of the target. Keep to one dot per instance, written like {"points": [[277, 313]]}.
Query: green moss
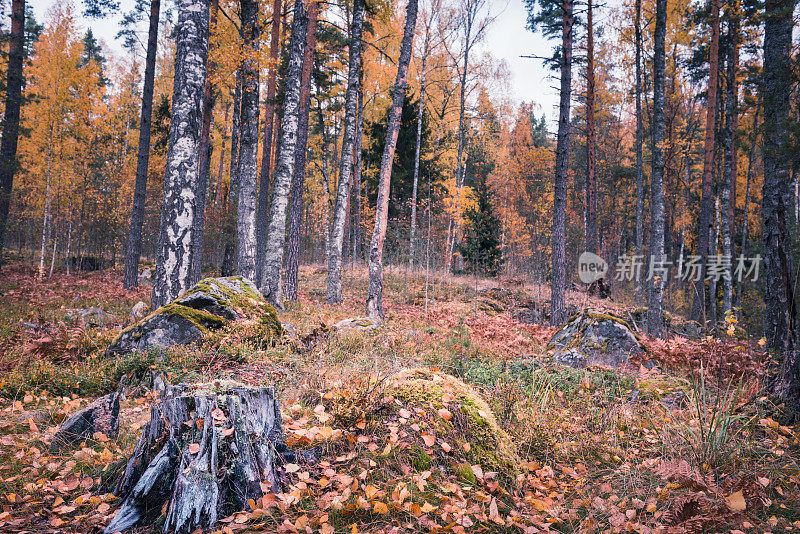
{"points": [[656, 388], [464, 473], [200, 318], [419, 459]]}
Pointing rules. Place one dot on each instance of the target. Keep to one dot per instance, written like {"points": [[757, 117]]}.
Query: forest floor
{"points": [[678, 441]]}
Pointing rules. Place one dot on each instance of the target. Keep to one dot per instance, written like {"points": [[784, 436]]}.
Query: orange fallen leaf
{"points": [[194, 448], [429, 439]]}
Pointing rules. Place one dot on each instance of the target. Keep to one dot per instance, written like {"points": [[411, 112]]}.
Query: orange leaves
{"points": [[429, 439], [194, 448]]}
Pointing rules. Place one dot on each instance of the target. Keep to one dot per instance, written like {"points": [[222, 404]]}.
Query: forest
{"points": [[315, 266]]}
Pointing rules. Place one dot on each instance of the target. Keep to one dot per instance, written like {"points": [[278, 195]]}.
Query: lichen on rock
{"points": [[602, 338], [210, 305]]}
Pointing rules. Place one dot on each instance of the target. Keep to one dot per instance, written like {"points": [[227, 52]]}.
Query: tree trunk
{"points": [[46, 224], [8, 146], [298, 181], [173, 253], [334, 290], [205, 160], [375, 290], [729, 142], [271, 283], [746, 221], [417, 153], [203, 454], [133, 249], [357, 162], [639, 162], [707, 199], [591, 144], [655, 313], [559, 279], [248, 145], [780, 314], [262, 216]]}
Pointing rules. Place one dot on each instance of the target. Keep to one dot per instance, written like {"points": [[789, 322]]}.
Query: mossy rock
{"points": [[602, 338], [473, 427], [208, 306]]}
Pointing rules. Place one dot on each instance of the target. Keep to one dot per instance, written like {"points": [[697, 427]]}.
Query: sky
{"points": [[507, 39]]}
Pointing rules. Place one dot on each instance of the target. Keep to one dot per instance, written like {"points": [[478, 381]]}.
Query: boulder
{"points": [[102, 416], [600, 339], [91, 317], [210, 305], [138, 311], [358, 323], [146, 276]]}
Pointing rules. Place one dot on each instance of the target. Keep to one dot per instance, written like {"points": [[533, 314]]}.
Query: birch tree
{"points": [[298, 181], [173, 252], [248, 144], [375, 289], [334, 289], [271, 283]]}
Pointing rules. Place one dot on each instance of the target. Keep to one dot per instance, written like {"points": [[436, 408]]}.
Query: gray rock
{"points": [[91, 317], [528, 315], [146, 275], [209, 305], [358, 323], [102, 415], [138, 311], [601, 338], [571, 358]]}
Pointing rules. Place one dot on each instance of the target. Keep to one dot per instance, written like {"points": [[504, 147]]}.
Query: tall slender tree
{"points": [[728, 189], [375, 288], [639, 161], [173, 252], [555, 17], [709, 147], [591, 137], [205, 159], [655, 313], [262, 215], [334, 290], [248, 144], [133, 250], [8, 146], [298, 180], [780, 300], [271, 281]]}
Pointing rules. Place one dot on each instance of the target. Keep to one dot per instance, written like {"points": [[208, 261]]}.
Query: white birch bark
{"points": [[173, 252]]}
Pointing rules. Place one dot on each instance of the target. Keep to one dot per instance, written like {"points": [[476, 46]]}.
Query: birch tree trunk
{"points": [[262, 216], [655, 313], [8, 146], [728, 201], [173, 253], [271, 283], [205, 160], [591, 146], [357, 162], [375, 289], [133, 249], [248, 145], [707, 199], [334, 289], [298, 181], [418, 149], [559, 278], [46, 217], [780, 314]]}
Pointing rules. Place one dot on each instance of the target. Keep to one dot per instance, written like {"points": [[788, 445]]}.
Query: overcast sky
{"points": [[508, 39]]}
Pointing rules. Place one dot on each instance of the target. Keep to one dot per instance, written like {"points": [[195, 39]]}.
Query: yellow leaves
{"points": [[429, 439], [370, 491], [736, 502], [380, 508], [291, 468], [445, 414]]}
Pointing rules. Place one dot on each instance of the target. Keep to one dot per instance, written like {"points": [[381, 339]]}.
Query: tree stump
{"points": [[205, 452]]}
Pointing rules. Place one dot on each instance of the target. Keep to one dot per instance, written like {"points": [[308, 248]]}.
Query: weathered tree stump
{"points": [[205, 452]]}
